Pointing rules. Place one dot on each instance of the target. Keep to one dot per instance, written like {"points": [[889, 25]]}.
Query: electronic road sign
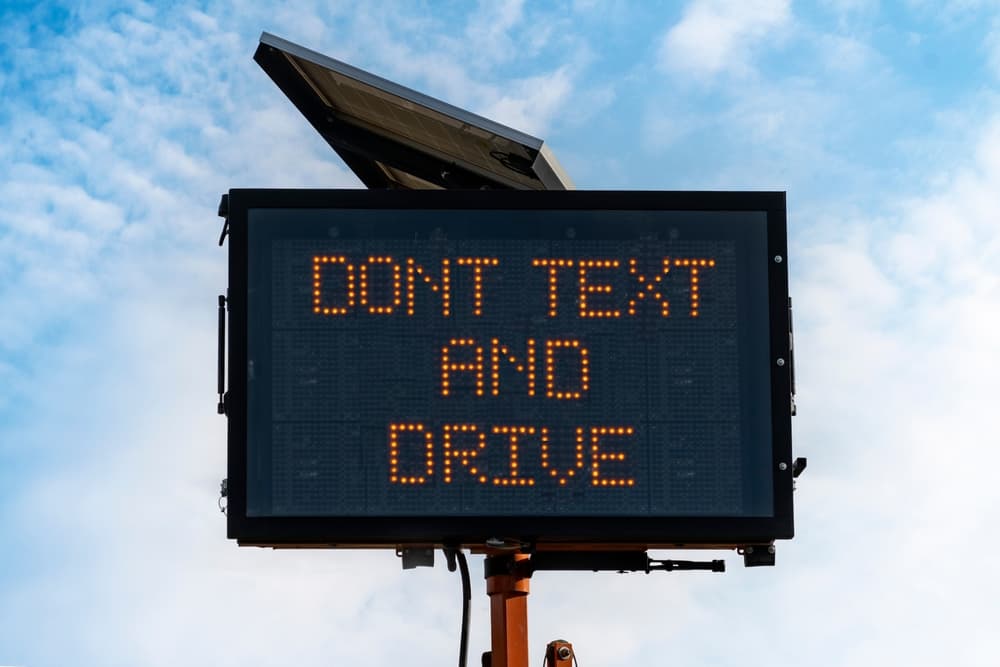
{"points": [[547, 368]]}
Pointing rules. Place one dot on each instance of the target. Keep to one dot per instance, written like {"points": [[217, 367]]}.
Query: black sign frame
{"points": [[534, 531]]}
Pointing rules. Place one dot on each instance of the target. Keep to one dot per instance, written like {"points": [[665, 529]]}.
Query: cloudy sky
{"points": [[121, 123]]}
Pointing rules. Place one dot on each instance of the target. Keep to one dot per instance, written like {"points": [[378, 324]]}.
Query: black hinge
{"points": [[224, 213]]}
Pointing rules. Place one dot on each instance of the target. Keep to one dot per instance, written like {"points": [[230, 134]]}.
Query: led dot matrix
{"points": [[394, 454], [320, 262], [695, 265], [587, 288], [467, 444], [565, 362], [358, 285]]}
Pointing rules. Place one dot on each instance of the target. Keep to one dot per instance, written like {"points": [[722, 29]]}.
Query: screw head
{"points": [[778, 259], [780, 361], [782, 466], [564, 653]]}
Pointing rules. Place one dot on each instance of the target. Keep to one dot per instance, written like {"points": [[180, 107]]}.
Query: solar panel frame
{"points": [[394, 137]]}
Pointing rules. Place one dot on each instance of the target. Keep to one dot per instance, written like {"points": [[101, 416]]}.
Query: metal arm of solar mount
{"points": [[791, 357], [222, 355], [223, 303], [614, 561], [224, 213]]}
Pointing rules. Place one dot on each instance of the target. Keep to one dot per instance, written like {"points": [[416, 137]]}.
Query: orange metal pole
{"points": [[509, 615]]}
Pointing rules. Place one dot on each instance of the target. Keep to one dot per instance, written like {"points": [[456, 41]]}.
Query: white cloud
{"points": [[716, 36], [663, 126], [903, 363], [531, 104], [490, 30], [847, 54], [851, 8], [992, 46]]}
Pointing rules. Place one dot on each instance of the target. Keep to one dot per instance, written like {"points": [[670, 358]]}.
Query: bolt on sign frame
{"points": [[541, 368]]}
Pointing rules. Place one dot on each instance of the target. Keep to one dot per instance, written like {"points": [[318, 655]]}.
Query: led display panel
{"points": [[447, 367]]}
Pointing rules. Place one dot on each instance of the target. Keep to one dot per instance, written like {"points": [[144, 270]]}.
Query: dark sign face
{"points": [[544, 367]]}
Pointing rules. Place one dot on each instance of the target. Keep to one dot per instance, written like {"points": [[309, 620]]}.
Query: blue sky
{"points": [[122, 123]]}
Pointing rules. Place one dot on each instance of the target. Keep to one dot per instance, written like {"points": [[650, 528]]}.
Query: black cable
{"points": [[463, 649], [452, 555]]}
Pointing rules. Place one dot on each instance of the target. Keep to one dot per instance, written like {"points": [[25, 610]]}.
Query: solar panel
{"points": [[395, 137]]}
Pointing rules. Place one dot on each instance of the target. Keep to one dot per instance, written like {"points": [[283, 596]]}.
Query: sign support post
{"points": [[507, 584]]}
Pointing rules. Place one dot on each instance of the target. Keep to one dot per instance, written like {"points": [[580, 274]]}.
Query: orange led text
{"points": [[509, 455], [564, 375]]}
